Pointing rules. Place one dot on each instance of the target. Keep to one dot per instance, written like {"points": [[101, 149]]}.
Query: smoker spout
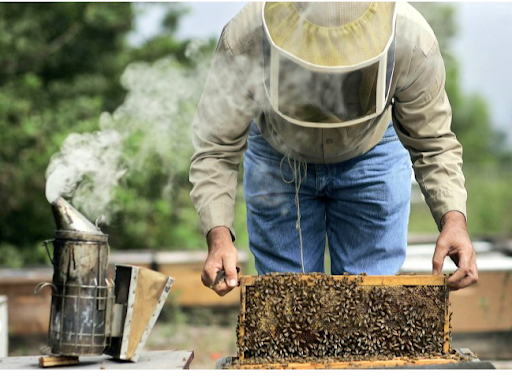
{"points": [[68, 218]]}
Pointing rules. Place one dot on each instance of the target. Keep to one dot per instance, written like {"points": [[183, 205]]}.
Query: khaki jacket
{"points": [[234, 95]]}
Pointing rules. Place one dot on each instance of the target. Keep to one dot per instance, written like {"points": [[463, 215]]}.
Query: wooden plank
{"points": [[403, 280], [149, 360], [241, 329], [189, 291], [371, 280], [350, 365], [447, 317], [484, 307], [57, 361]]}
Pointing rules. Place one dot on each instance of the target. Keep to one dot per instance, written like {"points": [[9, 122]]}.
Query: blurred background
{"points": [[83, 70]]}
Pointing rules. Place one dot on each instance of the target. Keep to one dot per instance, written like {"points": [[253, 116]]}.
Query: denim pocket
{"points": [[389, 139], [389, 134], [254, 136]]}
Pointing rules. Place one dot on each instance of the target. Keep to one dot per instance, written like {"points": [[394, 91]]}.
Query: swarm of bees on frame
{"points": [[289, 318]]}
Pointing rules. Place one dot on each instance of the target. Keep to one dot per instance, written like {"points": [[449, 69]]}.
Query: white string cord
{"points": [[300, 172]]}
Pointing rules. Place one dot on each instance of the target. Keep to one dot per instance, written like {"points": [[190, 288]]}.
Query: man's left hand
{"points": [[454, 242]]}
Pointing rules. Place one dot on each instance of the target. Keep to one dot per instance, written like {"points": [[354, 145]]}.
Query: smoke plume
{"points": [[156, 116]]}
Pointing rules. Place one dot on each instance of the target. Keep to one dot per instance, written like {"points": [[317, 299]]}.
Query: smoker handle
{"points": [[45, 244], [40, 286]]}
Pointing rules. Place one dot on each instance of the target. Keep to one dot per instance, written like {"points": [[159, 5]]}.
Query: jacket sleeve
{"points": [[220, 130], [422, 117]]}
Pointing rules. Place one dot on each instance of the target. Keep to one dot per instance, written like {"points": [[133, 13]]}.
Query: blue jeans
{"points": [[360, 205]]}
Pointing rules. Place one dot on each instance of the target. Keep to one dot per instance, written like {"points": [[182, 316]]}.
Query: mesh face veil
{"points": [[328, 65]]}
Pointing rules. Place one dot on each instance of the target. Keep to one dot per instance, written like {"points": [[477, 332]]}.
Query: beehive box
{"points": [[334, 321]]}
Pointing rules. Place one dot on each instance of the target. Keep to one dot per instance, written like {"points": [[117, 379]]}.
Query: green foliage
{"points": [[489, 199], [62, 64], [471, 119], [16, 256], [59, 62], [486, 160]]}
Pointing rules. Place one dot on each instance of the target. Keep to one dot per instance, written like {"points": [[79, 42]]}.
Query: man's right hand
{"points": [[222, 255]]}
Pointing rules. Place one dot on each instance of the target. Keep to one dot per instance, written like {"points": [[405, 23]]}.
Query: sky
{"points": [[484, 50], [483, 46]]}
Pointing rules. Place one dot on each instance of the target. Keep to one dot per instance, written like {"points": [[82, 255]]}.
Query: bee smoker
{"points": [[90, 314]]}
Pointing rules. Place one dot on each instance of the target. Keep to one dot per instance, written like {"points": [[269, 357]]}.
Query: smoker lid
{"points": [[80, 236], [68, 218]]}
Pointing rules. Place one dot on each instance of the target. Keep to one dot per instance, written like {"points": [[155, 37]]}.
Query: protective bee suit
{"points": [[321, 85]]}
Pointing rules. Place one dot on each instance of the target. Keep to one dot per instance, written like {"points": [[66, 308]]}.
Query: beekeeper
{"points": [[330, 103]]}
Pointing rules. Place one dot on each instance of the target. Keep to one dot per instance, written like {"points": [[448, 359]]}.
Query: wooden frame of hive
{"points": [[362, 280]]}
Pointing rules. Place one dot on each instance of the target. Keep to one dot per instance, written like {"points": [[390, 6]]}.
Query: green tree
{"points": [[471, 120], [486, 160], [58, 61]]}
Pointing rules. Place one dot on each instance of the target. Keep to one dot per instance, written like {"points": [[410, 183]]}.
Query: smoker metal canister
{"points": [[82, 295]]}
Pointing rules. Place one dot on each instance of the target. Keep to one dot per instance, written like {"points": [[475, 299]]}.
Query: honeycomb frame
{"points": [[379, 318]]}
